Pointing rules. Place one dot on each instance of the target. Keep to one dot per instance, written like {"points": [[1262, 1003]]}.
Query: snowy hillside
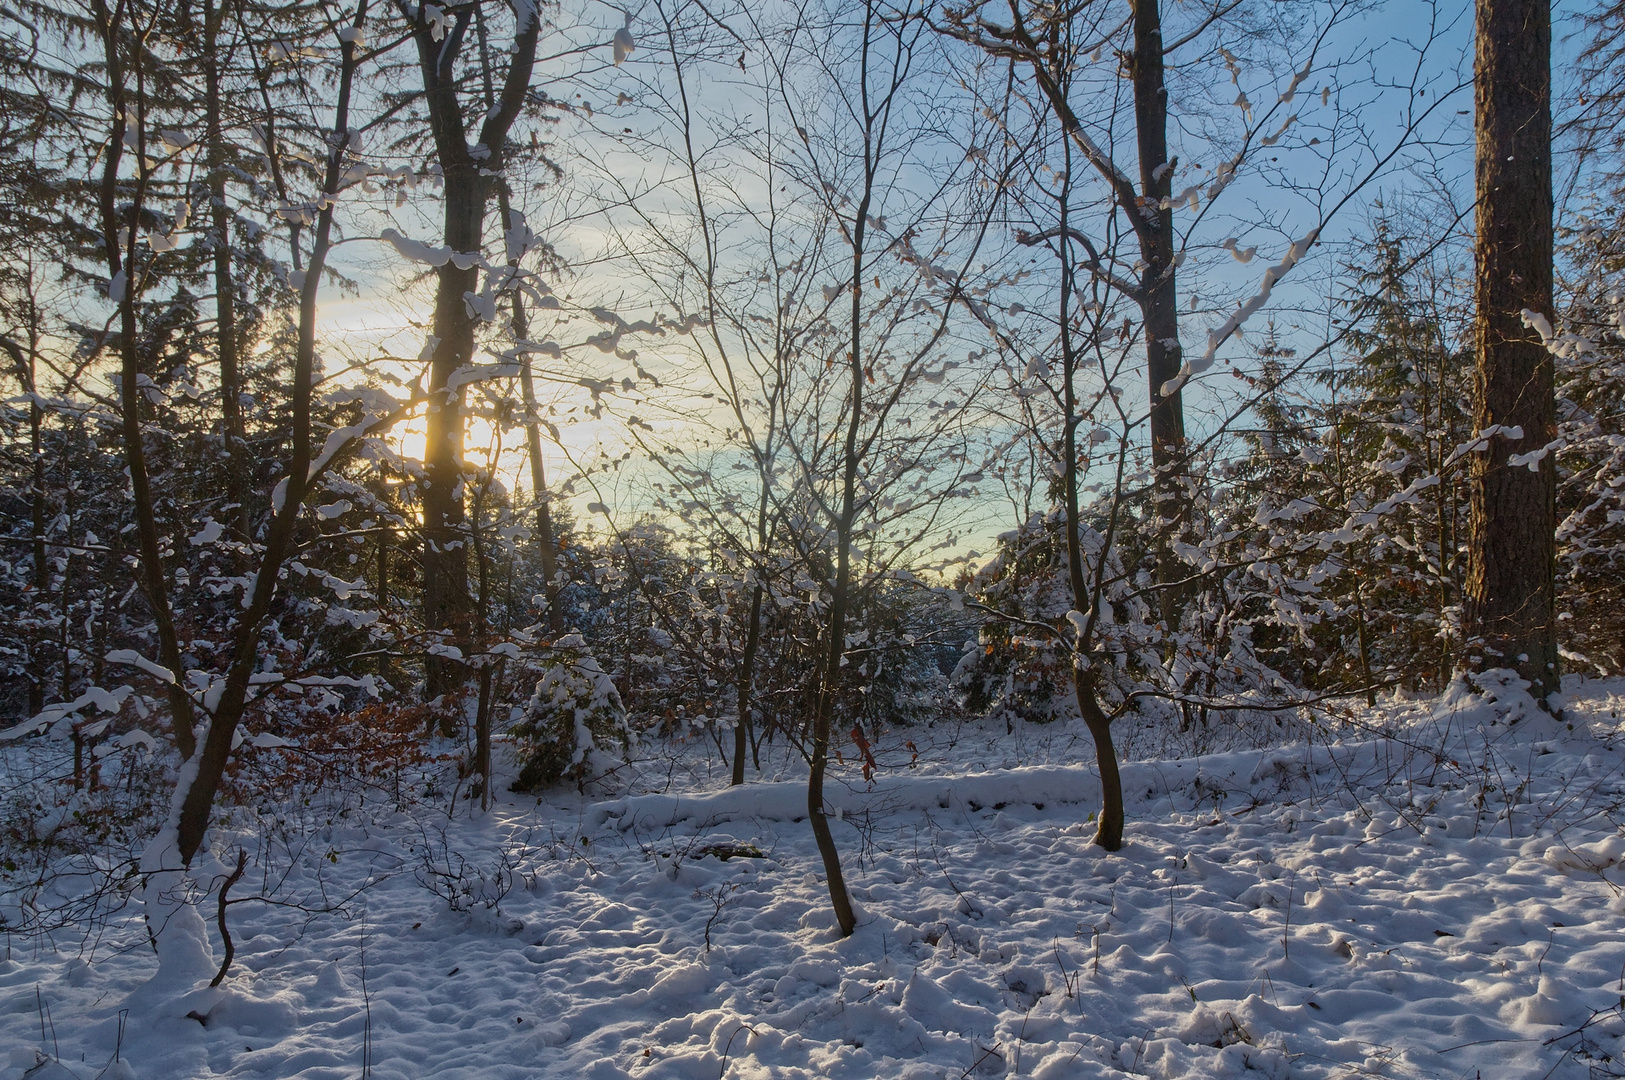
{"points": [[1436, 896]]}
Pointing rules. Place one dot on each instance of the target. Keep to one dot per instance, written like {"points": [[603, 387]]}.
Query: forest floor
{"points": [[1429, 889]]}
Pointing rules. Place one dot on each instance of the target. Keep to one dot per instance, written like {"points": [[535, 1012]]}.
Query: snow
{"points": [[173, 923], [266, 741], [212, 530], [473, 373], [417, 251], [54, 715], [1245, 311], [623, 43], [136, 660], [1428, 889]]}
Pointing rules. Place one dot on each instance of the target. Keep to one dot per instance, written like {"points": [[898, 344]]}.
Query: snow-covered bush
{"points": [[1590, 360], [1023, 661], [574, 726], [892, 664], [1192, 689]]}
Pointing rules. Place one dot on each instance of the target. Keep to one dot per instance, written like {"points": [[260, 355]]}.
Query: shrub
{"points": [[574, 726]]}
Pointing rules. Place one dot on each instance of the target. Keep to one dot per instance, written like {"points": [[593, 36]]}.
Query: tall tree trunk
{"points": [[447, 605], [1508, 610], [1152, 223], [122, 272], [1159, 304], [834, 651], [233, 431], [1109, 829], [546, 547]]}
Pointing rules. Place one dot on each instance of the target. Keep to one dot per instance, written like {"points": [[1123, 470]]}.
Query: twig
{"points": [[727, 1050], [987, 1052], [45, 1018], [1070, 979], [366, 1002], [1286, 929], [1173, 883], [719, 900], [220, 918]]}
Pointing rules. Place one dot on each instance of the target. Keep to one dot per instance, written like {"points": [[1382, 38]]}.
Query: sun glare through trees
{"points": [[812, 539]]}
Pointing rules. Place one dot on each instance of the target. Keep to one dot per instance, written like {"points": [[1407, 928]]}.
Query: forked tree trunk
{"points": [[447, 603], [1508, 610], [197, 793], [835, 649], [1109, 828]]}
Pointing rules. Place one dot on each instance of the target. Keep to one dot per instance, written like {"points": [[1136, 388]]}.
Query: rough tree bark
{"points": [[1159, 302], [1508, 610]]}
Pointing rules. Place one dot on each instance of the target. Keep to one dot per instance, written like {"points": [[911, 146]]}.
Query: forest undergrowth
{"points": [[1421, 889]]}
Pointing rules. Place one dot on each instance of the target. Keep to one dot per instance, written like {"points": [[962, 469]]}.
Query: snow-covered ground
{"points": [[1433, 892]]}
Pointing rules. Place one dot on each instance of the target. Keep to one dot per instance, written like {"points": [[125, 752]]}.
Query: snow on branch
{"points": [[136, 660], [1217, 337], [472, 373], [1562, 346], [418, 251], [108, 701]]}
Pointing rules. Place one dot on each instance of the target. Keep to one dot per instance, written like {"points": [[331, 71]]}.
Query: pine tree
{"points": [[1509, 613]]}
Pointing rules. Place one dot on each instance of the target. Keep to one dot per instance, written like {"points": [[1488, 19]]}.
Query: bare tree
{"points": [[706, 255], [1050, 41], [1075, 356], [868, 156]]}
